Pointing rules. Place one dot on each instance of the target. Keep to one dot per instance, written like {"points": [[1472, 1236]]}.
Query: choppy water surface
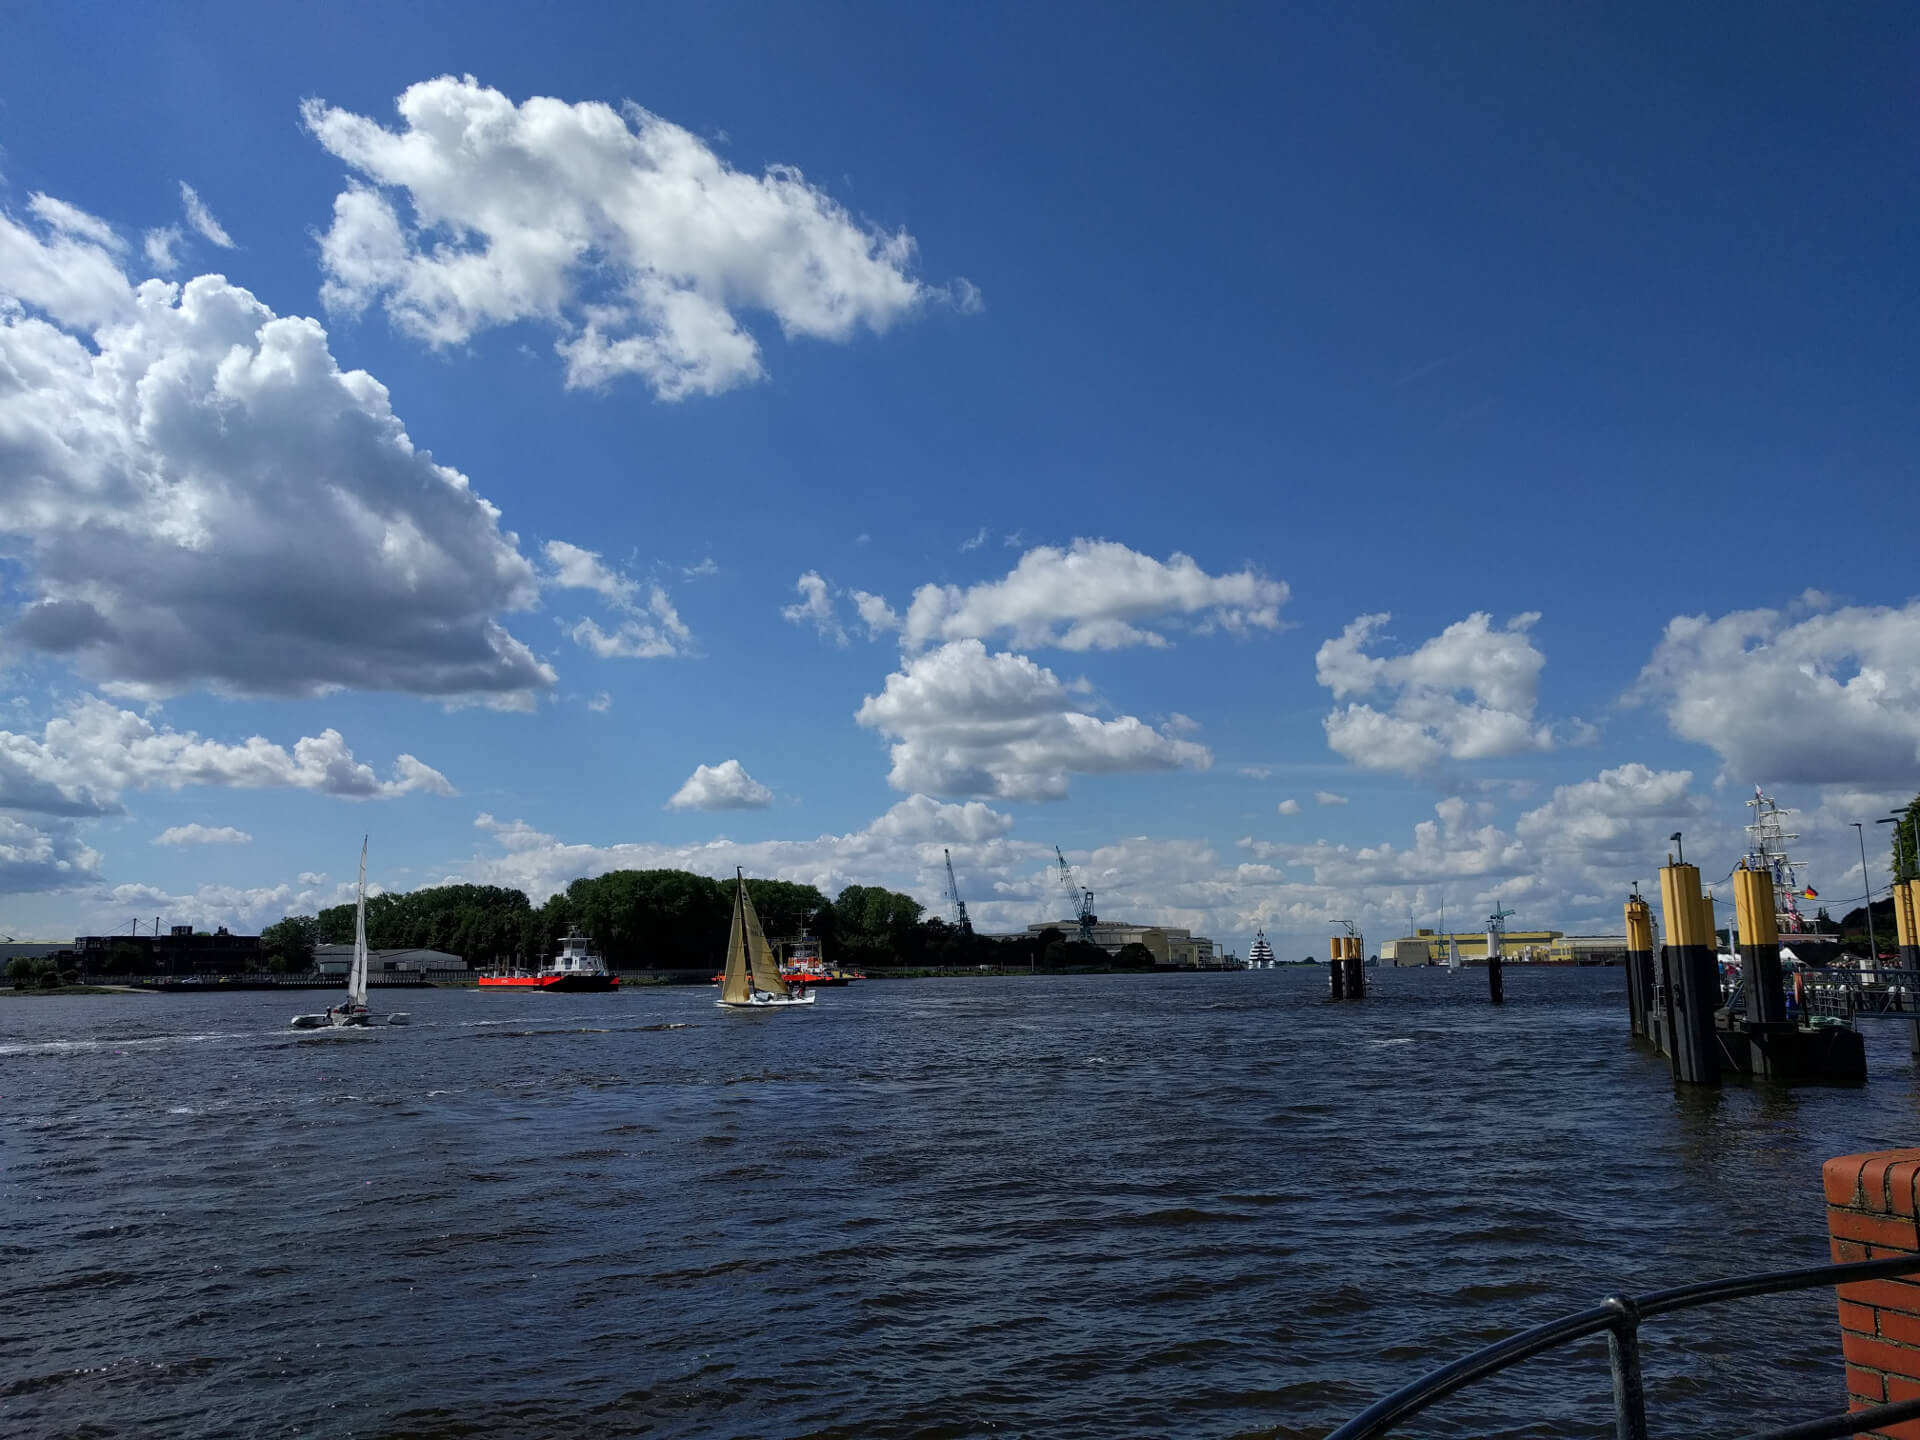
{"points": [[1206, 1205]]}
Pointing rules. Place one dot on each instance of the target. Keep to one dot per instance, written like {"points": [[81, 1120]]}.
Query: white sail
{"points": [[357, 977]]}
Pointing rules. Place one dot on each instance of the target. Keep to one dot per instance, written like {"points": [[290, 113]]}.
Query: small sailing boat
{"points": [[354, 1010], [752, 979], [1453, 953]]}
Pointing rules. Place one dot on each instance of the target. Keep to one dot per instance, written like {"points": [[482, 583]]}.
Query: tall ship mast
{"points": [[1767, 850]]}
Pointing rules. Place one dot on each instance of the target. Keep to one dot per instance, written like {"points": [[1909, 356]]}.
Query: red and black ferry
{"points": [[576, 967]]}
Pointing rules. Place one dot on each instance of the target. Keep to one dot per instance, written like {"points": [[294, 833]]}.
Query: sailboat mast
{"points": [[357, 982]]}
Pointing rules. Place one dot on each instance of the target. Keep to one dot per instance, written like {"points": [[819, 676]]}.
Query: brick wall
{"points": [[1871, 1213]]}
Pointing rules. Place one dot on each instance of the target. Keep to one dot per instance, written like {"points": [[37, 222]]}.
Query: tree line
{"points": [[672, 919]]}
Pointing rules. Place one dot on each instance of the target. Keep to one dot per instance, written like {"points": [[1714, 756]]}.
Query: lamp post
{"points": [[1682, 851], [1866, 884]]}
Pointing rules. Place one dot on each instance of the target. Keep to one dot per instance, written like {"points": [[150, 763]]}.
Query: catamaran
{"points": [[752, 979], [354, 1010]]}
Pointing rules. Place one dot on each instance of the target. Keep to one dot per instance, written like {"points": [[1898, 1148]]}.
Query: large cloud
{"points": [[200, 496], [966, 722], [84, 759], [902, 849], [1466, 694], [1095, 595], [621, 231], [34, 859], [1832, 698]]}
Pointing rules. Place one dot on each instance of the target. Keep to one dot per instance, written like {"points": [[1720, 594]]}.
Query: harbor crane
{"points": [[953, 892], [1082, 899]]}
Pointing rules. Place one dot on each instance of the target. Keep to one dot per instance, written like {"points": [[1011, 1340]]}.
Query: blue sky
{"points": [[1125, 362]]}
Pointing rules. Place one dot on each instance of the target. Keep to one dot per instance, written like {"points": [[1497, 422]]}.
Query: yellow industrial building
{"points": [[1520, 947]]}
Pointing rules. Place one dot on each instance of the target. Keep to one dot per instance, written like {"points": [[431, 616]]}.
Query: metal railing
{"points": [[1851, 994], [1620, 1317]]}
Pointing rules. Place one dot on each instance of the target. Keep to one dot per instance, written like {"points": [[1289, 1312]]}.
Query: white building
{"points": [[338, 959]]}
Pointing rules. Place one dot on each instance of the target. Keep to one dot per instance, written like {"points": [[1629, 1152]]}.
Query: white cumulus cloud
{"points": [[34, 858], [1466, 694], [196, 495], [966, 722], [1327, 797], [1094, 595], [84, 759], [621, 231], [1289, 806], [197, 834], [1831, 698], [726, 786]]}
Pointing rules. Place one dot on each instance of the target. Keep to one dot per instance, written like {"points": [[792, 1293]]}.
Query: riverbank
{"points": [[79, 990]]}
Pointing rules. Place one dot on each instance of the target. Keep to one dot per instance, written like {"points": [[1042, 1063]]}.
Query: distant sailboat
{"points": [[1453, 953], [752, 977], [354, 1011]]}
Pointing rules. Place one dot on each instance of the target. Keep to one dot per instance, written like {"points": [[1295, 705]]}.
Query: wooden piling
{"points": [[1337, 967]]}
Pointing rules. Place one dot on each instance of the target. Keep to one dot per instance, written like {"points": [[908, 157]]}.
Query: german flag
{"points": [[1809, 893]]}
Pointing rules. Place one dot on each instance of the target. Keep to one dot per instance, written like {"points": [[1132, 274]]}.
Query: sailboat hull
{"points": [[763, 1001]]}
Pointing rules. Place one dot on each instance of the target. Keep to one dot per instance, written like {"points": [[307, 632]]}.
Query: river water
{"points": [[1201, 1205]]}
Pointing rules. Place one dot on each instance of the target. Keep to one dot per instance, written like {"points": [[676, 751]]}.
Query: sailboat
{"points": [[354, 1011], [1453, 953], [752, 978]]}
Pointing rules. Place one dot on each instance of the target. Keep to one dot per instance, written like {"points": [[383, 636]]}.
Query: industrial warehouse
{"points": [[1521, 947]]}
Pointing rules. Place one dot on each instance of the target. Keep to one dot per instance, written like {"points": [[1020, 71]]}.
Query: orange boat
{"points": [[801, 964], [576, 967]]}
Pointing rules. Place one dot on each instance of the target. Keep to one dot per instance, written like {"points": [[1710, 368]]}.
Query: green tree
{"points": [[1134, 956], [1906, 843], [290, 941]]}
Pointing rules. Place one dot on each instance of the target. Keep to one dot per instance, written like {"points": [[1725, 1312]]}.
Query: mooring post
{"points": [[1759, 945], [1639, 966], [1356, 968], [1693, 976], [1773, 1041], [1870, 1216], [1337, 967], [1496, 982], [1906, 925]]}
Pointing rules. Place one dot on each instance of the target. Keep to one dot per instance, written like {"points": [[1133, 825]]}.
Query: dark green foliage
{"points": [[290, 942], [671, 920], [1134, 957], [1906, 855], [477, 922]]}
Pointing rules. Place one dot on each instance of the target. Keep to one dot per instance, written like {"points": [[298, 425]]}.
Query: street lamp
{"points": [[1675, 838], [1866, 884]]}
